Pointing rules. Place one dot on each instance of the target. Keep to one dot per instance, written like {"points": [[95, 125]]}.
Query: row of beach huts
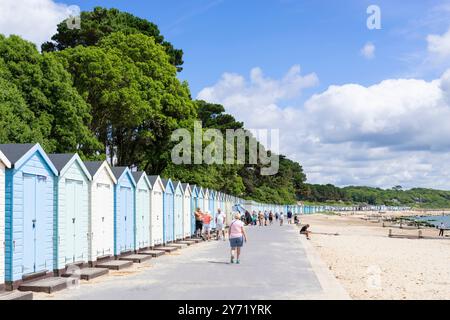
{"points": [[57, 210]]}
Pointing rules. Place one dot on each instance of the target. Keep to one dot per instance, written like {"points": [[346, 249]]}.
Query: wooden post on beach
{"points": [[420, 234], [390, 233]]}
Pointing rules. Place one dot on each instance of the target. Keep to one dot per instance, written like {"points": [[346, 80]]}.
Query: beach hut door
{"points": [[126, 227], [73, 221], [34, 223]]}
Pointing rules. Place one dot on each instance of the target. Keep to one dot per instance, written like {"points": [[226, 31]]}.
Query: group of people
{"points": [[236, 230], [267, 218], [203, 224]]}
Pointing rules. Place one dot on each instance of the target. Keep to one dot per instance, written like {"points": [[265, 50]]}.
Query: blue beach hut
{"points": [[124, 211], [72, 211], [29, 213], [143, 204], [194, 206], [4, 163], [212, 206], [178, 210], [168, 211]]}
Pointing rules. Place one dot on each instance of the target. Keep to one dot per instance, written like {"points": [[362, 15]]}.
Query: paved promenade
{"points": [[276, 264]]}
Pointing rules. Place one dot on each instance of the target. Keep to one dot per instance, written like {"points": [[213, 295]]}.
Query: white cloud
{"points": [[368, 51], [394, 132], [259, 95], [34, 20], [439, 45]]}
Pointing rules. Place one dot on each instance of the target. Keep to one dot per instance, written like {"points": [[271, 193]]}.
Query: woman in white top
{"points": [[237, 235]]}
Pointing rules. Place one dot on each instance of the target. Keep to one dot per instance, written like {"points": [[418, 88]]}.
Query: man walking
{"points": [[198, 222]]}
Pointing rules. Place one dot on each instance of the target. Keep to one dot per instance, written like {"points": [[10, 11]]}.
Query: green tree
{"points": [[100, 23], [52, 107], [135, 97]]}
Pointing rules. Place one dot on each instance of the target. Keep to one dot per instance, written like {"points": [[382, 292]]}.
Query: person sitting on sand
{"points": [[304, 230], [441, 229]]}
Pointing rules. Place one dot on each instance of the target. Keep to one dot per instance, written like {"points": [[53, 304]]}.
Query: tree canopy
{"points": [[100, 23], [41, 102]]}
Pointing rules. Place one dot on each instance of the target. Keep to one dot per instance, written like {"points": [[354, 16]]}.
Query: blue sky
{"points": [[322, 36], [353, 106]]}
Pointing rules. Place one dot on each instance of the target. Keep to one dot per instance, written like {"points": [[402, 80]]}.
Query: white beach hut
{"points": [[156, 212], [101, 211]]}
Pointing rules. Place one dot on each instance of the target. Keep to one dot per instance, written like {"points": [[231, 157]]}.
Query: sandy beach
{"points": [[370, 265]]}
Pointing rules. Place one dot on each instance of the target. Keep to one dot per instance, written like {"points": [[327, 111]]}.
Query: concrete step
{"points": [[152, 253], [87, 273], [16, 295], [178, 245], [187, 242], [115, 264], [48, 285], [136, 258], [166, 248], [196, 240]]}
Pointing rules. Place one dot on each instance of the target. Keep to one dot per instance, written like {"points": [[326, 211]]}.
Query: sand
{"points": [[370, 265]]}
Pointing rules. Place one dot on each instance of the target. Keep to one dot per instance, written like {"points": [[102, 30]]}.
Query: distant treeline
{"points": [[417, 197]]}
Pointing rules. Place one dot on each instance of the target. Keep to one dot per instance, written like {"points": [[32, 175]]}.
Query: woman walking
{"points": [[207, 225], [237, 236]]}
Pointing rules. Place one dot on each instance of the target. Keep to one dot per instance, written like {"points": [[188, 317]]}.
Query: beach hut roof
{"points": [[62, 161], [153, 179], [18, 153], [138, 175], [120, 171], [94, 166]]}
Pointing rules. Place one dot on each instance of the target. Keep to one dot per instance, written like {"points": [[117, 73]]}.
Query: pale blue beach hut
{"points": [[143, 205], [124, 211], [178, 210], [72, 211], [168, 216], [29, 213]]}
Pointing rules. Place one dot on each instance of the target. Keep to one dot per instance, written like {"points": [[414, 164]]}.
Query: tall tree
{"points": [[135, 96], [100, 23]]}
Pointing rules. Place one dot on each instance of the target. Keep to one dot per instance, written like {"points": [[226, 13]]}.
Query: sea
{"points": [[435, 220]]}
